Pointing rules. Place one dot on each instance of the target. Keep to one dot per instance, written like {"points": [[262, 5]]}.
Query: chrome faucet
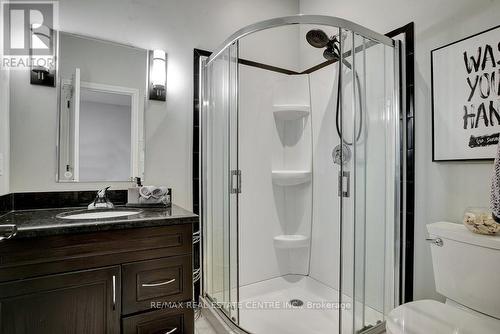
{"points": [[101, 201]]}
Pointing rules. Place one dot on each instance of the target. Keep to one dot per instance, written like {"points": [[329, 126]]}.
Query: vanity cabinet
{"points": [[99, 282], [77, 302]]}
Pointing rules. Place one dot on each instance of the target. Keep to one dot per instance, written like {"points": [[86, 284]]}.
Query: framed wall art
{"points": [[466, 98]]}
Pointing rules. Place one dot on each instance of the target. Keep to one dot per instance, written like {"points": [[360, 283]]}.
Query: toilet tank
{"points": [[467, 267]]}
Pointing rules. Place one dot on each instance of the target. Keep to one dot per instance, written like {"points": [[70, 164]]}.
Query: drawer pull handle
{"points": [[114, 292], [13, 231], [172, 331], [147, 285]]}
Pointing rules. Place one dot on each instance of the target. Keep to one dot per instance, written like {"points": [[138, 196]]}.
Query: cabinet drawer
{"points": [[25, 258], [172, 321], [162, 280]]}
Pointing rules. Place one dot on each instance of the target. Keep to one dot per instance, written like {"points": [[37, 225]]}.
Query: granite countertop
{"points": [[43, 222]]}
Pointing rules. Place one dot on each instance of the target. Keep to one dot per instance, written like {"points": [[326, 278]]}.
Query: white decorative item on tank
{"points": [[480, 220]]}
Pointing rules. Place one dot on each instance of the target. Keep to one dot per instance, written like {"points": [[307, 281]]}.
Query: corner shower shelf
{"points": [[291, 241], [290, 112], [291, 177]]}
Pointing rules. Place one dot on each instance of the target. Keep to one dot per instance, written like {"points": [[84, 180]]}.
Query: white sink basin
{"points": [[98, 214]]}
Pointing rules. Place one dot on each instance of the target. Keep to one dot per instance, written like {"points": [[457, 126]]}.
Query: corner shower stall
{"points": [[300, 176]]}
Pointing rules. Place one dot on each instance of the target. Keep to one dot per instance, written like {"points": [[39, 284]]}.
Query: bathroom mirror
{"points": [[101, 110]]}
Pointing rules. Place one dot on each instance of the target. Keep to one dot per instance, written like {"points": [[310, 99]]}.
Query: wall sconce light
{"points": [[42, 66], [157, 75]]}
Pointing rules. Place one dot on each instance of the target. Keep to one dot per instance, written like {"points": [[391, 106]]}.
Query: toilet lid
{"points": [[432, 317]]}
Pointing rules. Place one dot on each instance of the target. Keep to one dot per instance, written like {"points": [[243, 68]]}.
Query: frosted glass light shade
{"points": [[158, 72], [157, 75]]}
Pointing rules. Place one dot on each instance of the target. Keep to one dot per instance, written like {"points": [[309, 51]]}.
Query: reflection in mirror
{"points": [[101, 110]]}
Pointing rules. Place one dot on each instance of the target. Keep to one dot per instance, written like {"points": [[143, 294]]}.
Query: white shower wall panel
{"points": [[326, 239], [370, 175], [325, 232], [267, 210]]}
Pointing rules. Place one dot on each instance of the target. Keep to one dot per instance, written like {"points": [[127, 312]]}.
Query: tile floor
{"points": [[202, 326]]}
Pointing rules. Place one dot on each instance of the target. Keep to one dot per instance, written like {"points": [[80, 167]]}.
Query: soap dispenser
{"points": [[133, 193]]}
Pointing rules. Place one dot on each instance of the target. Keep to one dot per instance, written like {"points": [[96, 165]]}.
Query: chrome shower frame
{"points": [[301, 19], [341, 24]]}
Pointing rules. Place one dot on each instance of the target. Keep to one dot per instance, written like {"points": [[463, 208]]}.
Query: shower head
{"points": [[330, 53], [317, 38]]}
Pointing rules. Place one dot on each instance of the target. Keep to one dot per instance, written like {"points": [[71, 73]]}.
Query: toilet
{"points": [[467, 272]]}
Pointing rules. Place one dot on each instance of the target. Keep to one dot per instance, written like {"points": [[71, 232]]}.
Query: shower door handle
{"points": [[235, 182], [344, 187]]}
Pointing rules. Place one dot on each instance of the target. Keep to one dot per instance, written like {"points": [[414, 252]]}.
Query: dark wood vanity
{"points": [[110, 280]]}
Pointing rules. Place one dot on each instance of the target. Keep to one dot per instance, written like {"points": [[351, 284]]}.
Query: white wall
{"points": [[443, 190], [176, 27]]}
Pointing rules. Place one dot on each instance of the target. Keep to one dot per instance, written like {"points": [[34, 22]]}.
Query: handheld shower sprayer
{"points": [[319, 39]]}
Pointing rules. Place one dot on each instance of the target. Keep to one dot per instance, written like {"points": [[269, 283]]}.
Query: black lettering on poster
{"points": [[482, 107]]}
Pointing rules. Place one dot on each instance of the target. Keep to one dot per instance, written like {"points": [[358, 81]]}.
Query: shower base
{"points": [[265, 307]]}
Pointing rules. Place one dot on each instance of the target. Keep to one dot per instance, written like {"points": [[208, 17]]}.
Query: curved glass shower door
{"points": [[220, 184], [300, 177], [370, 205]]}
